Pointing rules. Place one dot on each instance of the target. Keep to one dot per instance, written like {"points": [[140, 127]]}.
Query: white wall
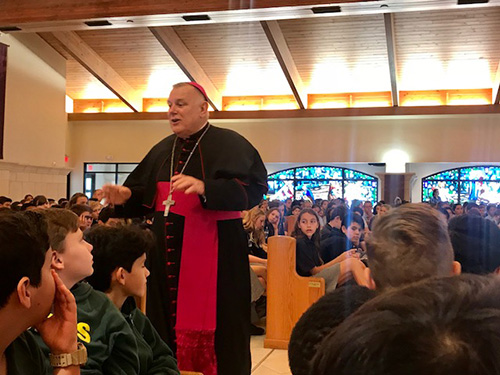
{"points": [[35, 120]]}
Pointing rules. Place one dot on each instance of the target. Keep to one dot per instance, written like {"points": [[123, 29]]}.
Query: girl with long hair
{"points": [[308, 260]]}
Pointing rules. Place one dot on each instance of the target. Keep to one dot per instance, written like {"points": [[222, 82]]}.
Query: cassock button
{"points": [[169, 237], [171, 276], [176, 172], [172, 289], [170, 263]]}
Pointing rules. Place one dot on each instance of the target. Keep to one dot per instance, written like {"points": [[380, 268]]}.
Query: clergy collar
{"points": [[194, 137]]}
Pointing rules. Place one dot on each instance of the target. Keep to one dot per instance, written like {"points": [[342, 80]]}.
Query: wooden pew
{"points": [[288, 294], [290, 224], [190, 373]]}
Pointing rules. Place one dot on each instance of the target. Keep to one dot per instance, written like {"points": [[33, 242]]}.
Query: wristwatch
{"points": [[79, 357]]}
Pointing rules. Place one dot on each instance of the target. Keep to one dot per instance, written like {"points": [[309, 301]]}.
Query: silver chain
{"points": [[187, 161]]}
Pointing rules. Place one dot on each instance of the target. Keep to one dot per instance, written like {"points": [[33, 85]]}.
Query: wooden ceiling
{"points": [[450, 48]]}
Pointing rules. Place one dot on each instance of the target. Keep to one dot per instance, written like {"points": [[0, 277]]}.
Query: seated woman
{"points": [[120, 272], [273, 225], [257, 249], [345, 267]]}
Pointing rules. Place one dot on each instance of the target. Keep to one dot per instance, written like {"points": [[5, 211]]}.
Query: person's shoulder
{"points": [[24, 356], [165, 143], [223, 134]]}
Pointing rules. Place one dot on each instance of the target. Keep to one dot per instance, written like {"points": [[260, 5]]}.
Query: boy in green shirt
{"points": [[110, 343], [120, 272], [28, 290]]}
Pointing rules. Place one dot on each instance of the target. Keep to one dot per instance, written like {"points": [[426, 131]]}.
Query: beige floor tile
{"points": [[277, 362], [258, 351], [263, 370]]}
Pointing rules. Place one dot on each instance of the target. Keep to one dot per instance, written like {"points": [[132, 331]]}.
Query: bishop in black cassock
{"points": [[199, 287]]}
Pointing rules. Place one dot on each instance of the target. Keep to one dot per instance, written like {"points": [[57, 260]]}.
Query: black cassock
{"points": [[235, 180]]}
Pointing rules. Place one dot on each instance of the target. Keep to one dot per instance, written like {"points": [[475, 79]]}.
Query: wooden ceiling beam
{"points": [[301, 113], [176, 48], [391, 56], [496, 87], [99, 68], [16, 12], [285, 59]]}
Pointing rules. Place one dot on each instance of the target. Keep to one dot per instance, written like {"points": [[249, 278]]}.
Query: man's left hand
{"points": [[188, 184]]}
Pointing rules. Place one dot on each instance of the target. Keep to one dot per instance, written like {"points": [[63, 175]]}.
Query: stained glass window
{"points": [[322, 182], [480, 184]]}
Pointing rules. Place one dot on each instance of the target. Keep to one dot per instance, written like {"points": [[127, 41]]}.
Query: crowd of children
{"points": [[72, 273]]}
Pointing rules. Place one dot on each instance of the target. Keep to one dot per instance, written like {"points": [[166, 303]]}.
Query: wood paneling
{"points": [[237, 57], [299, 113], [434, 41], [136, 55], [176, 48], [331, 48], [94, 63]]}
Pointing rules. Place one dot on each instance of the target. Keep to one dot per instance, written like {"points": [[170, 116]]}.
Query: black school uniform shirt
{"points": [[307, 256]]}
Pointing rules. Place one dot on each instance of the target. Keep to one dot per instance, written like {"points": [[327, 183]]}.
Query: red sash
{"points": [[197, 292]]}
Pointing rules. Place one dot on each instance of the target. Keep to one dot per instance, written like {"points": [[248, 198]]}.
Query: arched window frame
{"points": [[458, 177]]}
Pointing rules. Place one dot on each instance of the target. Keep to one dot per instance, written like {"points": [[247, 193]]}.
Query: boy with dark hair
{"points": [[5, 201], [120, 273], [333, 226], [110, 343], [28, 288], [443, 326], [352, 228]]}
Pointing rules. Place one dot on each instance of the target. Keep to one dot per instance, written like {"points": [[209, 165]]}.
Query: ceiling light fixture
{"points": [[6, 29], [98, 23], [468, 2], [196, 17], [323, 10]]}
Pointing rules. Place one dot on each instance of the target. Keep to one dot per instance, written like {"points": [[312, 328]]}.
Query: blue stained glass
{"points": [[446, 175], [480, 192], [325, 173], [355, 175], [281, 175], [280, 190], [317, 189], [480, 173], [362, 190], [448, 190]]}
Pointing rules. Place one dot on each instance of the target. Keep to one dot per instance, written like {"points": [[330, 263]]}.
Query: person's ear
{"points": [[497, 271], [119, 275], [344, 229], [24, 292], [57, 261], [204, 108], [456, 268], [369, 279]]}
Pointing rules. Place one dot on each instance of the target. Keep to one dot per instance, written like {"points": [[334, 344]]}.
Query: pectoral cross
{"points": [[168, 203]]}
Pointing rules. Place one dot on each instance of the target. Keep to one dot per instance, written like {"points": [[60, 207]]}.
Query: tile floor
{"points": [[268, 361]]}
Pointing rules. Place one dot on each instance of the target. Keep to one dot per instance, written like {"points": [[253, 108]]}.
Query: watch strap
{"points": [[77, 358]]}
